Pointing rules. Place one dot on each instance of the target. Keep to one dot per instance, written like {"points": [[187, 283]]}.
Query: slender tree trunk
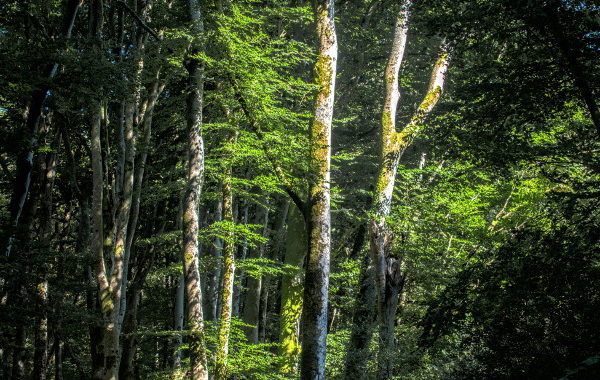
{"points": [[222, 351], [383, 269], [41, 334], [58, 358], [291, 292], [242, 253], [314, 319], [388, 268], [124, 215], [195, 322], [107, 368], [213, 272], [178, 322], [254, 284], [157, 88]]}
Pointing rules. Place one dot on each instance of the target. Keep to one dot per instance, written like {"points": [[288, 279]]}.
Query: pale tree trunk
{"points": [[109, 284], [110, 298], [254, 284], [148, 112], [108, 280], [291, 292], [388, 270], [222, 351], [195, 322], [363, 318], [316, 287], [108, 349]]}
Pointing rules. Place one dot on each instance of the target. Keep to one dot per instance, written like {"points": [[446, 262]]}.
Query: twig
{"points": [[139, 20]]}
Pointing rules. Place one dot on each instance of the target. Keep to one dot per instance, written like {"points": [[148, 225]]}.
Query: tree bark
{"points": [[197, 351], [314, 319], [222, 351], [291, 292], [157, 89]]}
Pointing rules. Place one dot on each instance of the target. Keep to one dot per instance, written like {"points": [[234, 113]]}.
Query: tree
{"points": [[316, 282], [198, 364]]}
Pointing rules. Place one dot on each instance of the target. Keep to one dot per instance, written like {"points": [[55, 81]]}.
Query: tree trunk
{"points": [[197, 351], [24, 164], [41, 335], [178, 322], [314, 319], [388, 268], [109, 340], [129, 344], [213, 270], [58, 358], [157, 88], [254, 284], [291, 292], [242, 253], [222, 351]]}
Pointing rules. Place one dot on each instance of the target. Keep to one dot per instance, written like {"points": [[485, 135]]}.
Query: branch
{"points": [[255, 128], [139, 20]]}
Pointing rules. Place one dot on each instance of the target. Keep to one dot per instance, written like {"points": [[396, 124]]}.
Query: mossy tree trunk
{"points": [[389, 274], [316, 287], [195, 144], [364, 316], [291, 291]]}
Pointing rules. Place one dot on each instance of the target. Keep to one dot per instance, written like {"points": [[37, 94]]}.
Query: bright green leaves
{"points": [[242, 233]]}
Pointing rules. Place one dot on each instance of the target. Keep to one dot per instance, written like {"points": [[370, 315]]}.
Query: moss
{"points": [[106, 302], [119, 250], [291, 311], [431, 97], [320, 148], [324, 74], [389, 78], [386, 123]]}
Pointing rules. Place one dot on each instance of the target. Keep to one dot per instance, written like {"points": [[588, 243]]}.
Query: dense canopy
{"points": [[299, 189]]}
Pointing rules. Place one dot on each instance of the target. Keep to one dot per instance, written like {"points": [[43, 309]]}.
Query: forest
{"points": [[299, 189]]}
